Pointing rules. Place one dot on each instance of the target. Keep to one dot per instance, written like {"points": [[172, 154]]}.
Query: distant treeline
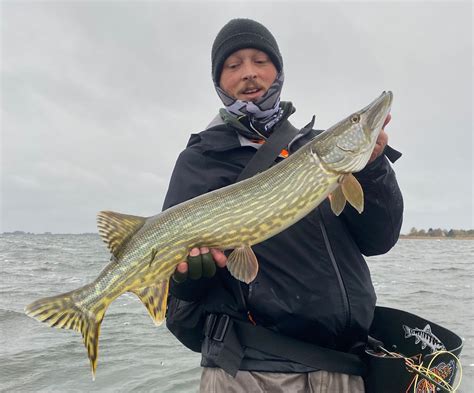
{"points": [[438, 232]]}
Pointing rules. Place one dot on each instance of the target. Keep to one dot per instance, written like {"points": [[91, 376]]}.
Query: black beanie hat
{"points": [[239, 34]]}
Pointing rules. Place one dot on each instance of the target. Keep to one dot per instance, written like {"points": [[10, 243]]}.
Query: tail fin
{"points": [[407, 330], [63, 312]]}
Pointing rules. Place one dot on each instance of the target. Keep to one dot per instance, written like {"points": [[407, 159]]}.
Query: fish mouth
{"points": [[373, 116], [377, 111]]}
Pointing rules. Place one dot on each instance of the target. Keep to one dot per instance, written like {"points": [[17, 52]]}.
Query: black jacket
{"points": [[313, 282]]}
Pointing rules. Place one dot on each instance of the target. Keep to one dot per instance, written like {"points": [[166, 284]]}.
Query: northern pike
{"points": [[146, 251], [425, 336]]}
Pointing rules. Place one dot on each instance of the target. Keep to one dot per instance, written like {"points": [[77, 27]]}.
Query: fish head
{"points": [[347, 146]]}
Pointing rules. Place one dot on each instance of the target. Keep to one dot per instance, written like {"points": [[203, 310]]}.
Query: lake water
{"points": [[430, 278]]}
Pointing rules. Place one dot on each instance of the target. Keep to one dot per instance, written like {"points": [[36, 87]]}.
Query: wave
{"points": [[11, 314], [449, 269]]}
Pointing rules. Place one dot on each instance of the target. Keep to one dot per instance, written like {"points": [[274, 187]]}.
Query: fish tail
{"points": [[407, 331], [64, 312]]}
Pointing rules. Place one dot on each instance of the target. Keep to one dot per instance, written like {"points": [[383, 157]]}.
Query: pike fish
{"points": [[425, 336], [146, 251]]}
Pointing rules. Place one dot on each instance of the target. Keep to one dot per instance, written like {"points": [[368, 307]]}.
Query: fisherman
{"points": [[313, 284]]}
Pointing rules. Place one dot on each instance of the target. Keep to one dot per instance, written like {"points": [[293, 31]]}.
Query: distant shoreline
{"points": [[414, 237]]}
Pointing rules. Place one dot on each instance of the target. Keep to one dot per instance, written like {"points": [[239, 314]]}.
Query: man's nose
{"points": [[249, 71]]}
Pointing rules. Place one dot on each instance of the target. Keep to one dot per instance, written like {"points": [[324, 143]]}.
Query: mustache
{"points": [[251, 86]]}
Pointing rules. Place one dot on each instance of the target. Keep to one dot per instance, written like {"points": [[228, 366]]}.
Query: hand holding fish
{"points": [[201, 262], [381, 142]]}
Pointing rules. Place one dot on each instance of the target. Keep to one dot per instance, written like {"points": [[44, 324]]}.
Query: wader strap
{"points": [[226, 337], [311, 355], [283, 133], [266, 155]]}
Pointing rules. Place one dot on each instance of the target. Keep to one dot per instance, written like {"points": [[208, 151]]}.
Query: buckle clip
{"points": [[209, 325], [221, 328], [216, 326]]}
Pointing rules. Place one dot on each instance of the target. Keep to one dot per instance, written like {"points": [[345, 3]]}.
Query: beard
{"points": [[263, 112]]}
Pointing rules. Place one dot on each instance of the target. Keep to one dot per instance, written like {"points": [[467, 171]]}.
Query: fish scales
{"points": [[230, 230], [304, 178], [145, 251], [222, 227]]}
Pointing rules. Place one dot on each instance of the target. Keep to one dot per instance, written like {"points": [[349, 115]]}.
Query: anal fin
{"points": [[242, 264], [154, 298]]}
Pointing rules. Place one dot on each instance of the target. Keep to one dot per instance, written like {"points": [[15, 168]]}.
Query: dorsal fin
{"points": [[115, 229]]}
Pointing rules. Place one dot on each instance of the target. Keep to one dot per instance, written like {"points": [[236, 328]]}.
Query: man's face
{"points": [[247, 74]]}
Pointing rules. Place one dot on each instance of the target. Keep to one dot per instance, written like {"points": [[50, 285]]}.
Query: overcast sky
{"points": [[99, 97]]}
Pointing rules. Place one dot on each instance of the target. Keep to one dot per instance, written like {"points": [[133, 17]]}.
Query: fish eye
{"points": [[355, 118]]}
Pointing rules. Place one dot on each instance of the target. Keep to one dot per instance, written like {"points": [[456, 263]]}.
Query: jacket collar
{"points": [[225, 132]]}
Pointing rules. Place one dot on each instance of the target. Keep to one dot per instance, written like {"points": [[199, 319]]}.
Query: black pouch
{"points": [[414, 337], [186, 321]]}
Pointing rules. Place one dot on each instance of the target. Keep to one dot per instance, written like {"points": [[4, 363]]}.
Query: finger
{"points": [[194, 252], [382, 140], [373, 156], [181, 273], [379, 147], [208, 264], [182, 267], [195, 264], [387, 120], [219, 257], [376, 152]]}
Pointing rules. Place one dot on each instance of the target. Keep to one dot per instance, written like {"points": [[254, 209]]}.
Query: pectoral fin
{"points": [[154, 298], [352, 190], [338, 201], [242, 264]]}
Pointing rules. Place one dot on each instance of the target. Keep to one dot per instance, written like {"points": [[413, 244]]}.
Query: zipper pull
{"points": [[251, 318]]}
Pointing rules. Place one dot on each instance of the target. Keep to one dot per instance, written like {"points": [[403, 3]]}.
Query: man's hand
{"points": [[200, 263], [381, 142]]}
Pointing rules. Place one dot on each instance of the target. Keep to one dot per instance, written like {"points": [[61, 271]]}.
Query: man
{"points": [[313, 283]]}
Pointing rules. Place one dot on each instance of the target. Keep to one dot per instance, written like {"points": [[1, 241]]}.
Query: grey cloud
{"points": [[100, 97]]}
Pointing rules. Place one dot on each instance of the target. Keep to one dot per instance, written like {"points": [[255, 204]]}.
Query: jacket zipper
{"points": [[243, 303], [345, 299]]}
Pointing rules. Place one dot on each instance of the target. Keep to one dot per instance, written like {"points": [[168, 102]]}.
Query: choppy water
{"points": [[427, 277]]}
